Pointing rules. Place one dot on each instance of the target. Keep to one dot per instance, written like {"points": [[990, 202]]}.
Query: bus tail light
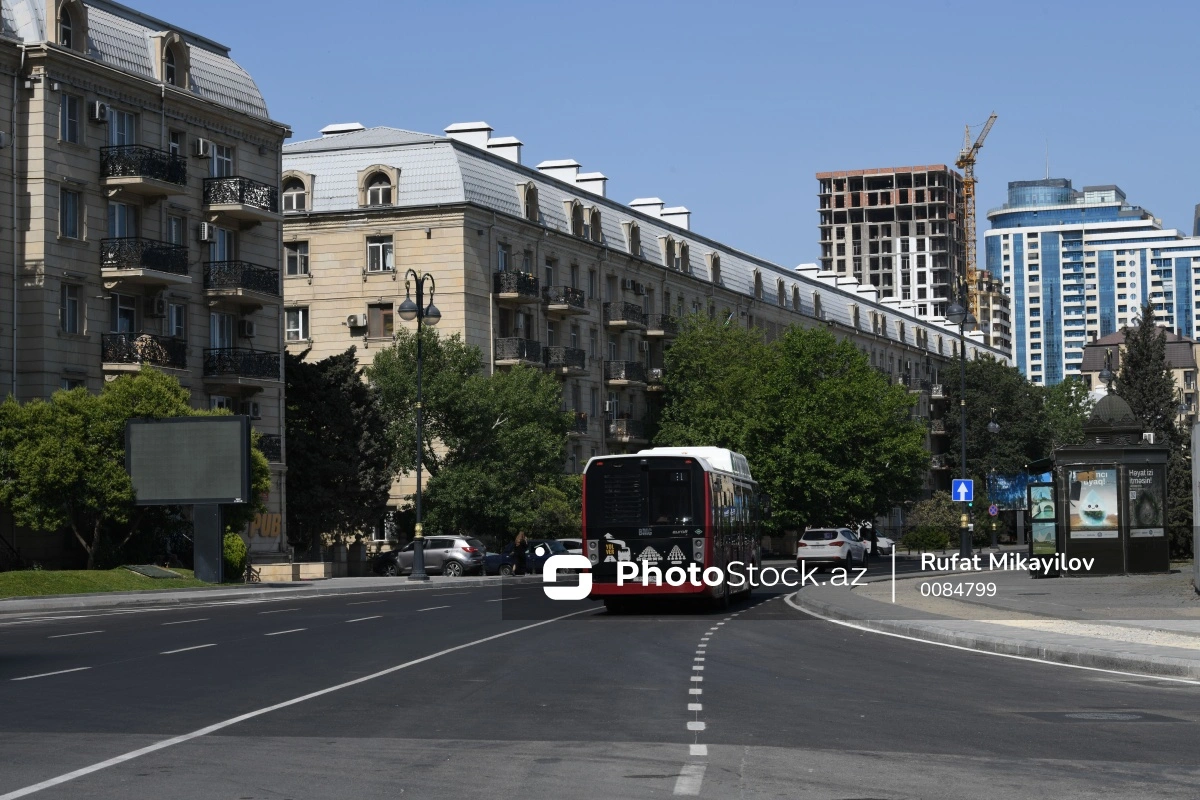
{"points": [[593, 546], [698, 551], [595, 559]]}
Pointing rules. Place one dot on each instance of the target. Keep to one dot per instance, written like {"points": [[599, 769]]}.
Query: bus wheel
{"points": [[616, 606], [721, 603]]}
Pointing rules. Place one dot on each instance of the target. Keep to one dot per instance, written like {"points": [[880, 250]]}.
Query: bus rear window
{"points": [[637, 495], [670, 497]]}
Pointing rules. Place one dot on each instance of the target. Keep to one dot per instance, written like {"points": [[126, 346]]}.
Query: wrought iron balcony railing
{"points": [[565, 296], [515, 349], [937, 427], [138, 161], [519, 283], [937, 391], [625, 371], [271, 445], [624, 312], [663, 322], [143, 348], [241, 275], [626, 429], [565, 357], [241, 191], [579, 424], [133, 253], [241, 362], [938, 462]]}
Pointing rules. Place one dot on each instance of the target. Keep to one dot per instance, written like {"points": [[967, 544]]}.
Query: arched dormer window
{"points": [[295, 195], [758, 286], [780, 294], [169, 74], [66, 28], [683, 258], [529, 197], [379, 190], [70, 25], [594, 231], [714, 268], [633, 238], [577, 226], [173, 60], [668, 252], [818, 312], [795, 298]]}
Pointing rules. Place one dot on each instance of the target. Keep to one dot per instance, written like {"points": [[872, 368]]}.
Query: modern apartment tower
{"points": [[898, 229], [1079, 265]]}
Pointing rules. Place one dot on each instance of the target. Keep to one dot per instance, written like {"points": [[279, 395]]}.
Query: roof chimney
{"points": [[506, 147], [678, 215], [473, 133], [648, 205], [341, 127], [564, 169], [596, 182]]}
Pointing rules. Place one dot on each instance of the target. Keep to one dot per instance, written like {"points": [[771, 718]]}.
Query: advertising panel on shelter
{"points": [[1094, 504]]}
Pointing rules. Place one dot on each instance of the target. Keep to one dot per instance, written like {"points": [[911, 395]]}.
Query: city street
{"points": [[459, 693]]}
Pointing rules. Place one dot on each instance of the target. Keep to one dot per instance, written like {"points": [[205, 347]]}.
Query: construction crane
{"points": [[966, 162]]}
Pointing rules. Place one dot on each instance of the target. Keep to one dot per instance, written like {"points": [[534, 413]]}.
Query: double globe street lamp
{"points": [[424, 315], [958, 315]]}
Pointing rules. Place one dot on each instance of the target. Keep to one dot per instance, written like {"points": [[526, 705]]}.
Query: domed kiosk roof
{"points": [[1112, 413]]}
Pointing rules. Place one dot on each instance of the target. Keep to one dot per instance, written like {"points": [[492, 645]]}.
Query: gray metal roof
{"points": [[437, 170], [121, 37]]}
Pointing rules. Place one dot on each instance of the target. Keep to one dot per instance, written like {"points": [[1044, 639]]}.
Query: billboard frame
{"points": [[244, 462]]}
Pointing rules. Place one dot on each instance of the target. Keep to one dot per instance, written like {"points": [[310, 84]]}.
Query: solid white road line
{"points": [[691, 777], [432, 608], [279, 611], [196, 734], [364, 619], [47, 675], [185, 621], [365, 602], [788, 600], [65, 635], [698, 750], [280, 633], [185, 649]]}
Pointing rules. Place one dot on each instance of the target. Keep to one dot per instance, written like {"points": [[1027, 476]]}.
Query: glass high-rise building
{"points": [[1081, 264]]}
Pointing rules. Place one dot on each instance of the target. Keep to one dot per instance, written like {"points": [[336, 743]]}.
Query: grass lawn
{"points": [[30, 583]]}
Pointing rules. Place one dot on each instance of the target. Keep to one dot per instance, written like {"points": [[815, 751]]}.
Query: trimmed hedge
{"points": [[236, 557]]}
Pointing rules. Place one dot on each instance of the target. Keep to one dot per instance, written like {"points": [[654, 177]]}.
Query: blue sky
{"points": [[730, 109]]}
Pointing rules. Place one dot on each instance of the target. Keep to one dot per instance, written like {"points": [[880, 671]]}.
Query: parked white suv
{"points": [[830, 547]]}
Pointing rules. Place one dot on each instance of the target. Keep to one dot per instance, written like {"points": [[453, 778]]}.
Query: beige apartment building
{"points": [[141, 223], [538, 266], [1181, 361]]}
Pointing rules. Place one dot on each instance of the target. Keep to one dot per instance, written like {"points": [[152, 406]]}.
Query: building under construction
{"points": [[899, 229]]}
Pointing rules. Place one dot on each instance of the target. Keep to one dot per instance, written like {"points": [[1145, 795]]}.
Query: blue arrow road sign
{"points": [[963, 490]]}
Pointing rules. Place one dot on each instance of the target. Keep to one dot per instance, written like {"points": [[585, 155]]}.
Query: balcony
{"points": [[654, 379], [938, 427], [515, 288], [241, 283], [241, 199], [564, 300], [143, 171], [511, 351], [624, 316], [565, 360], [127, 352], [661, 325], [938, 462], [624, 373], [131, 260], [239, 367], [626, 431], [937, 391], [579, 425], [271, 445]]}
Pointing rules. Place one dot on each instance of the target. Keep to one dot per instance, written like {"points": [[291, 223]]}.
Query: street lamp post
{"points": [[993, 428], [958, 315], [424, 315]]}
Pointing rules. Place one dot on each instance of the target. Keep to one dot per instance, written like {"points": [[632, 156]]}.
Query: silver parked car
{"points": [[445, 555]]}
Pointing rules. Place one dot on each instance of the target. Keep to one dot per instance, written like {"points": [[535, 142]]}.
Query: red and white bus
{"points": [[669, 507]]}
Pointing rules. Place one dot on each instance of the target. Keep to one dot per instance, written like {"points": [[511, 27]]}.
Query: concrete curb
{"points": [[1060, 654], [170, 597]]}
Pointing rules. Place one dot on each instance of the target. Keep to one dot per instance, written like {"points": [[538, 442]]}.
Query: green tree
{"points": [[1144, 380], [488, 439], [827, 437], [940, 512], [1066, 405], [339, 457]]}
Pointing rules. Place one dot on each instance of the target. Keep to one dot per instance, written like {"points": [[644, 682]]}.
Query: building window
{"points": [[380, 321], [178, 141], [295, 197], [68, 118], [220, 402], [222, 161], [169, 72], [68, 213], [503, 258], [530, 199], [177, 320], [683, 258], [66, 28], [379, 190], [122, 220], [577, 226], [223, 246], [122, 128], [635, 239], [176, 227], [68, 384], [123, 313], [296, 324], [594, 231], [715, 268], [379, 254], [69, 308], [296, 258], [591, 292], [220, 330]]}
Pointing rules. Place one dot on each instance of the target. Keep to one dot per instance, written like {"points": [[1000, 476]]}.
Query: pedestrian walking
{"points": [[869, 535], [520, 553]]}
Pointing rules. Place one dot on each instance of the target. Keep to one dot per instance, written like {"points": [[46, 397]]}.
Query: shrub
{"points": [[236, 557], [926, 538]]}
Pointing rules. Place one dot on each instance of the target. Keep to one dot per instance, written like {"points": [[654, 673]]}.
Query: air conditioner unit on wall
{"points": [[208, 231], [98, 112], [627, 283], [357, 321], [157, 305], [247, 328], [251, 409], [203, 148]]}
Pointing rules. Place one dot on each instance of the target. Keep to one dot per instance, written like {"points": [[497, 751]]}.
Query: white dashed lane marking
{"points": [[365, 602], [364, 619], [185, 649], [432, 608], [280, 633], [185, 621], [279, 611], [48, 674], [65, 635], [690, 779]]}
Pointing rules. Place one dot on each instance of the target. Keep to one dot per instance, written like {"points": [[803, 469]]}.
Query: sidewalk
{"points": [[263, 591], [1147, 624]]}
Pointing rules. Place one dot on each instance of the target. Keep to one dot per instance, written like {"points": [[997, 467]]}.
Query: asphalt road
{"points": [[458, 693]]}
